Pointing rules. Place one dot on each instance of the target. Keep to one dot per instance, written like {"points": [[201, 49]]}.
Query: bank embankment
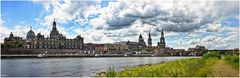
{"points": [[211, 65]]}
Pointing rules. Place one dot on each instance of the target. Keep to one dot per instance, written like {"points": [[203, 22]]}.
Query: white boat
{"points": [[39, 55], [96, 55], [125, 55], [152, 55]]}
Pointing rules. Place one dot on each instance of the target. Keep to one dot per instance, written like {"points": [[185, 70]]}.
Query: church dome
{"points": [[30, 34]]}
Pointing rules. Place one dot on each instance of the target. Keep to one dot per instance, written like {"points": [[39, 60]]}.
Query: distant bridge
{"points": [[227, 51]]}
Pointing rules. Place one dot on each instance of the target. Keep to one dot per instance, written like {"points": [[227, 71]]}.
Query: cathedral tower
{"points": [[149, 39], [141, 41], [54, 32], [162, 40]]}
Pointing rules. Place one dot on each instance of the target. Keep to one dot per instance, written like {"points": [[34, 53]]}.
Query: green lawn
{"points": [[208, 66]]}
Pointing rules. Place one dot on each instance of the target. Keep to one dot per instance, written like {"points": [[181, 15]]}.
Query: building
{"points": [[162, 43], [149, 40], [13, 41], [55, 41], [89, 46], [161, 46], [141, 41], [198, 50], [99, 48], [134, 46], [120, 46]]}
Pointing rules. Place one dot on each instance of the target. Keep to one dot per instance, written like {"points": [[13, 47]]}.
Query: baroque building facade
{"points": [[55, 41], [13, 41]]}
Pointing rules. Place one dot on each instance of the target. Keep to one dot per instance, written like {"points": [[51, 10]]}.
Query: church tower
{"points": [[149, 39], [54, 32], [141, 41], [11, 35], [162, 40]]}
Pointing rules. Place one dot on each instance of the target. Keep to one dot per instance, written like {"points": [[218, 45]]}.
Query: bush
{"points": [[212, 54], [234, 60], [110, 72]]}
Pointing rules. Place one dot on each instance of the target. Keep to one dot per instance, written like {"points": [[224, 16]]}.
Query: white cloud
{"points": [[213, 27], [17, 30], [125, 20], [67, 10], [92, 36], [174, 16], [4, 30]]}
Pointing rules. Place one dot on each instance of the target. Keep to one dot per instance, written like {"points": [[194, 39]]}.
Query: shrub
{"points": [[110, 72], [234, 60], [212, 54]]}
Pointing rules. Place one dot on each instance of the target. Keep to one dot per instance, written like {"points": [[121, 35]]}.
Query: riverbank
{"points": [[8, 56], [208, 66]]}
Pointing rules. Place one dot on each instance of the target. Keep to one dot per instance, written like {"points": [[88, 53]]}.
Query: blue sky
{"points": [[14, 13], [186, 24]]}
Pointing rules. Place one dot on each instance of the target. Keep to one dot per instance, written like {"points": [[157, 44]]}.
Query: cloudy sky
{"points": [[214, 24]]}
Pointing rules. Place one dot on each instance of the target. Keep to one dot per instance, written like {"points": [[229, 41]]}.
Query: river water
{"points": [[71, 67]]}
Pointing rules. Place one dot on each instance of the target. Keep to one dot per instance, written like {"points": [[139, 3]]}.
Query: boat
{"points": [[125, 55], [152, 55], [39, 55], [96, 55]]}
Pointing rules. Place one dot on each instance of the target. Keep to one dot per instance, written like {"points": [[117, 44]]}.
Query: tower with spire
{"points": [[54, 32], [149, 39], [162, 40]]}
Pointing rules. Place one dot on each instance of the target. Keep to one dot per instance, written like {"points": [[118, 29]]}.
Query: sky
{"points": [[210, 23]]}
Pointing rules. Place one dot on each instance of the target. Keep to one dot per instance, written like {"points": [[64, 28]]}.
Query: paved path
{"points": [[222, 69]]}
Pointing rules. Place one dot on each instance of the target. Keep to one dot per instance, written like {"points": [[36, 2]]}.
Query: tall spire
{"points": [[54, 24], [162, 34], [140, 36], [149, 39], [54, 32], [162, 40]]}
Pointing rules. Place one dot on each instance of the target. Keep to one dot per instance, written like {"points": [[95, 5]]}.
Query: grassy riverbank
{"points": [[208, 66]]}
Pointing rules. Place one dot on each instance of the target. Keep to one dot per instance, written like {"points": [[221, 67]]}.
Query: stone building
{"points": [[141, 41], [198, 50], [162, 43], [133, 45], [149, 40], [55, 41], [13, 41], [120, 46]]}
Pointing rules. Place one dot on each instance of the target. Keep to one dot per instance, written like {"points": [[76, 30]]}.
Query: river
{"points": [[71, 67]]}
